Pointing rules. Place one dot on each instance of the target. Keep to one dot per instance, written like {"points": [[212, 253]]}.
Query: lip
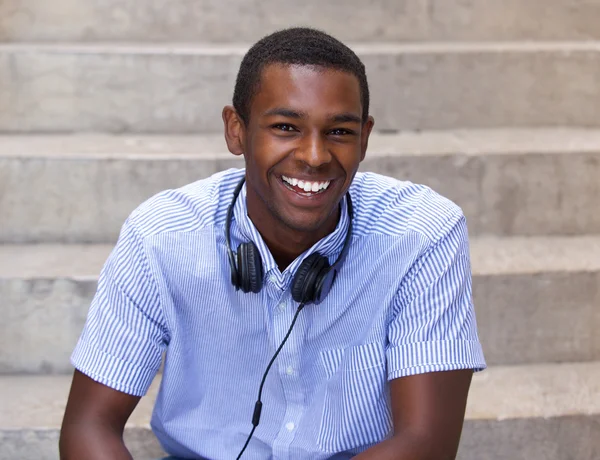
{"points": [[300, 200], [304, 178]]}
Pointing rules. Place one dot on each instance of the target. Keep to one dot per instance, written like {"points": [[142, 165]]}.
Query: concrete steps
{"points": [[179, 88], [537, 300], [494, 104], [516, 413], [80, 189], [248, 20], [30, 426]]}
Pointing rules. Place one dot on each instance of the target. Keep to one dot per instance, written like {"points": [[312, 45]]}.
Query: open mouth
{"points": [[305, 188]]}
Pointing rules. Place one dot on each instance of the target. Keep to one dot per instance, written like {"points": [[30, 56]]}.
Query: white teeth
{"points": [[306, 185], [324, 185]]}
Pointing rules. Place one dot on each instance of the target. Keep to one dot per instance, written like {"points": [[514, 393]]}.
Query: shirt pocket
{"points": [[356, 409]]}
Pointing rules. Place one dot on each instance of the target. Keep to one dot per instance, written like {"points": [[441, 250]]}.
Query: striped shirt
{"points": [[401, 305]]}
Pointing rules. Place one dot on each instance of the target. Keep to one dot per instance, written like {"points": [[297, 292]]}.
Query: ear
{"points": [[235, 130], [364, 136]]}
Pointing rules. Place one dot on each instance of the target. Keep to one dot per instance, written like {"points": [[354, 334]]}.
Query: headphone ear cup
{"points": [[323, 284], [249, 268], [235, 275], [306, 281]]}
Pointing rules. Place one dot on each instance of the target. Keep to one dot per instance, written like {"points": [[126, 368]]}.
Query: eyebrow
{"points": [[346, 118], [289, 113]]}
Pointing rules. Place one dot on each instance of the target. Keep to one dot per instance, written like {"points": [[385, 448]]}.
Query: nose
{"points": [[313, 151]]}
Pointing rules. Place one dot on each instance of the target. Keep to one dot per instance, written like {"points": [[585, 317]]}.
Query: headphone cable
{"points": [[258, 405]]}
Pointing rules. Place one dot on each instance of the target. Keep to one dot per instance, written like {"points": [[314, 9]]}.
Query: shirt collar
{"points": [[329, 246]]}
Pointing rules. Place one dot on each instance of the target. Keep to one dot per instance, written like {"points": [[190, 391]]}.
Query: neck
{"points": [[286, 243]]}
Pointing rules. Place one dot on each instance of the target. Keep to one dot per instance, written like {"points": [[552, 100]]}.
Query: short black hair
{"points": [[299, 46]]}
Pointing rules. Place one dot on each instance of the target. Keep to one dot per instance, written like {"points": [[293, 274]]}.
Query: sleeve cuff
{"points": [[437, 356], [112, 371]]}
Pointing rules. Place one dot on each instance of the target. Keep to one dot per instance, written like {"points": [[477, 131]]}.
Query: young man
{"points": [[380, 357]]}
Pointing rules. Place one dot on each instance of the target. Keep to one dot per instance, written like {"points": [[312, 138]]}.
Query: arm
{"points": [[428, 412], [433, 349], [121, 348], [94, 421]]}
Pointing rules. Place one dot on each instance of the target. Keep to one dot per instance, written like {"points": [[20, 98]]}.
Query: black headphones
{"points": [[313, 279]]}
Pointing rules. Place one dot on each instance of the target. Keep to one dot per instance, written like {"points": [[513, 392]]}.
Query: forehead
{"points": [[308, 89]]}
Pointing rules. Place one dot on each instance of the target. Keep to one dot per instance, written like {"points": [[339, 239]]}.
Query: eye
{"points": [[341, 132], [284, 127]]}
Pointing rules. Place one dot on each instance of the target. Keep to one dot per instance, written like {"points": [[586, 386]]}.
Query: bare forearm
{"points": [[79, 441]]}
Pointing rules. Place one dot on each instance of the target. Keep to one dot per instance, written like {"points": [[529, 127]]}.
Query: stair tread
{"points": [[502, 392], [535, 254], [463, 142], [364, 48], [489, 255]]}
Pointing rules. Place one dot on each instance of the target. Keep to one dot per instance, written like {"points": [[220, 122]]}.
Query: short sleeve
{"points": [[124, 336], [433, 327]]}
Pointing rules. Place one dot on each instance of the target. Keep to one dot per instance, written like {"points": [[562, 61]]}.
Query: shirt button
{"points": [[282, 306], [290, 426], [272, 278], [289, 370]]}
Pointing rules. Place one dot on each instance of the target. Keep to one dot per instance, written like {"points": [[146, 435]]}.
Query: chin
{"points": [[302, 220], [305, 225]]}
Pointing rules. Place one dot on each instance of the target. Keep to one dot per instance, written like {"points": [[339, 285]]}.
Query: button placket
{"points": [[273, 287], [293, 410], [281, 306], [288, 430], [288, 367]]}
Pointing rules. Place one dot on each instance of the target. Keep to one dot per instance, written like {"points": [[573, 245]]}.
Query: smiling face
{"points": [[303, 144]]}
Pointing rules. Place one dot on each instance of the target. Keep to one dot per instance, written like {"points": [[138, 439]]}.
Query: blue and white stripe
{"points": [[401, 305]]}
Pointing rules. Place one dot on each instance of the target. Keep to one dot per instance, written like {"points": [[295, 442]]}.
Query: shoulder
{"points": [[190, 208], [387, 206]]}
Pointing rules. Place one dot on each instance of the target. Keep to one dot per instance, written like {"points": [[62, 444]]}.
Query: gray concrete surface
{"points": [[570, 437], [537, 300], [248, 20], [32, 410], [80, 189], [515, 141], [182, 89], [147, 67], [544, 317], [42, 444], [42, 320], [513, 413]]}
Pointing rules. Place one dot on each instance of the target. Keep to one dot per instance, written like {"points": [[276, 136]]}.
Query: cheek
{"points": [[350, 158], [259, 164], [268, 152]]}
